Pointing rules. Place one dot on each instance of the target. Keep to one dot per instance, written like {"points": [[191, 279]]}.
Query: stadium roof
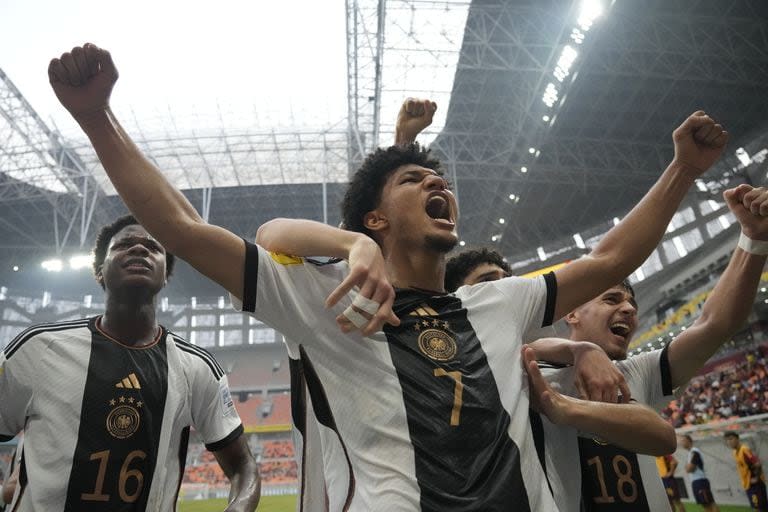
{"points": [[612, 79]]}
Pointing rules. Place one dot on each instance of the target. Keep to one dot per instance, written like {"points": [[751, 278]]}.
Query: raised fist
{"points": [[750, 207], [415, 115], [699, 142], [83, 79]]}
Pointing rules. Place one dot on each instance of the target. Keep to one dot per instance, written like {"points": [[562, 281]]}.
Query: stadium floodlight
{"points": [[551, 94], [541, 253], [501, 220], [564, 63], [545, 118], [590, 10], [80, 261], [512, 197], [579, 241], [53, 265], [531, 150], [495, 238], [523, 169], [616, 221], [743, 157], [16, 268], [462, 243]]}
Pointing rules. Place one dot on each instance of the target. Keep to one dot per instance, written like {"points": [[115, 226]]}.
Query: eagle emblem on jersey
{"points": [[124, 419], [437, 344]]}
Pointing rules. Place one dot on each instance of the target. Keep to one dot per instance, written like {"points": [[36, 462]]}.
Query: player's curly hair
{"points": [[105, 235], [458, 267], [364, 191]]}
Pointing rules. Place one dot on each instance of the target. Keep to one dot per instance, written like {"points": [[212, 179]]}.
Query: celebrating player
{"points": [[106, 403], [429, 411]]}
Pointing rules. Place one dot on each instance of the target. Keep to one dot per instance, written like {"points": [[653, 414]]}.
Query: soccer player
{"points": [[474, 266], [429, 409], [699, 481], [750, 471], [667, 465], [106, 403]]}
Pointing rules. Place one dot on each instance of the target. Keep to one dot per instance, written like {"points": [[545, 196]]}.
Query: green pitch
{"points": [[288, 504], [267, 504]]}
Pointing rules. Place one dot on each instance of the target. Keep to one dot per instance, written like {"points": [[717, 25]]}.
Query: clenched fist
{"points": [[415, 115], [699, 142], [83, 79], [750, 207]]}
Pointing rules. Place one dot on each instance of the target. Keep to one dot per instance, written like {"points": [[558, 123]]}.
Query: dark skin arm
{"points": [[242, 470]]}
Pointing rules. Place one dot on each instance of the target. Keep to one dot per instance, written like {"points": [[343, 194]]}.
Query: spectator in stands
{"points": [[699, 481], [750, 471]]}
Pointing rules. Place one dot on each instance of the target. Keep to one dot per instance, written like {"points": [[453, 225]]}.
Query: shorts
{"points": [[756, 495], [670, 485], [702, 491]]}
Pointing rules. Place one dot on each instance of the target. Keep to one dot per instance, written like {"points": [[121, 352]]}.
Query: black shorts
{"points": [[702, 492], [670, 485], [756, 495]]}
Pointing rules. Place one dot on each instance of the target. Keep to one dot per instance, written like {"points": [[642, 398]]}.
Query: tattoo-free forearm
{"points": [[306, 238], [633, 427]]}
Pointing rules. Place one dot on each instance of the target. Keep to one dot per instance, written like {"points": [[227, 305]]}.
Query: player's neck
{"points": [[130, 323], [416, 269]]}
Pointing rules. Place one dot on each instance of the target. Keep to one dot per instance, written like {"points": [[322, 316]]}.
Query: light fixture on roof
{"points": [[523, 169], [501, 220], [462, 243], [616, 221], [564, 63], [590, 10], [495, 238], [541, 253], [531, 150], [545, 118], [80, 261], [16, 268], [550, 95], [579, 241], [743, 157], [53, 265], [512, 197]]}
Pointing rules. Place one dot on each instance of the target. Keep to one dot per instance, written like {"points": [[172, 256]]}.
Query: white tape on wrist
{"points": [[758, 247], [356, 318], [366, 304]]}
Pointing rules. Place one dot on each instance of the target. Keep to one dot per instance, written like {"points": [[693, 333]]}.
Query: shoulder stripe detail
{"points": [[250, 276], [19, 340], [549, 310], [203, 354]]}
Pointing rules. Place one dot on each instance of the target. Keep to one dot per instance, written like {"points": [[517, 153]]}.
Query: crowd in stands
{"points": [[738, 390], [277, 463]]}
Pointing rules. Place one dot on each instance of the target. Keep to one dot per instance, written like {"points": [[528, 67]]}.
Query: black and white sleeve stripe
{"points": [[207, 357], [250, 276], [549, 310]]}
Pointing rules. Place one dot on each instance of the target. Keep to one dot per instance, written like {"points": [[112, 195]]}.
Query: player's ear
{"points": [[572, 318], [375, 221]]}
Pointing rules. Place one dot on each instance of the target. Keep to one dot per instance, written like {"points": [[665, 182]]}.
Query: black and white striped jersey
{"points": [[106, 425], [589, 474], [430, 415]]}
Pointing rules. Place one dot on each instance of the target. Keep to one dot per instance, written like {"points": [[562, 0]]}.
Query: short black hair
{"points": [[628, 287], [364, 191], [106, 234], [731, 434], [460, 266]]}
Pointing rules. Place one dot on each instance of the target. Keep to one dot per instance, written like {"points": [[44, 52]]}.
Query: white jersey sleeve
{"points": [[288, 293], [648, 377], [531, 300], [213, 410], [18, 369]]}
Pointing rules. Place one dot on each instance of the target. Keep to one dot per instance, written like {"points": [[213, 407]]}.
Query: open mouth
{"points": [[620, 329], [438, 208], [137, 263]]}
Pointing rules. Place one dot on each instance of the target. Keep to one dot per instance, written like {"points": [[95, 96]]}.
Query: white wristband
{"points": [[758, 247]]}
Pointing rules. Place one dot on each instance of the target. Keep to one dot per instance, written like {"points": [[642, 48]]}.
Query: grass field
{"points": [[267, 504], [288, 504]]}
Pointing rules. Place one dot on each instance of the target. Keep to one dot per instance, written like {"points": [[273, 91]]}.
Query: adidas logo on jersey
{"points": [[130, 382], [423, 310]]}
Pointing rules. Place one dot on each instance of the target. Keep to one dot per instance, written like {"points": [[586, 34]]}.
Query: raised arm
{"points": [[728, 306], [414, 116], [367, 270], [242, 471], [631, 426], [82, 80], [699, 142], [596, 377]]}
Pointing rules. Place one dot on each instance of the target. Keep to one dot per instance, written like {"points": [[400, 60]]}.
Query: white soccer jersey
{"points": [[106, 425], [430, 415], [605, 477]]}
